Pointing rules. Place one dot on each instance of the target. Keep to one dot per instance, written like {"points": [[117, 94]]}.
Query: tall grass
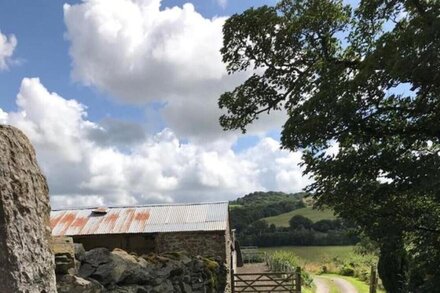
{"points": [[285, 261]]}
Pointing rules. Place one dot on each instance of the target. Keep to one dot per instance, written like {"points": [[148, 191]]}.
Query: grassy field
{"points": [[316, 254], [315, 258], [314, 215]]}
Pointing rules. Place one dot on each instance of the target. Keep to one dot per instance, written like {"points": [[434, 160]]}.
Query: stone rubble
{"points": [[117, 271]]}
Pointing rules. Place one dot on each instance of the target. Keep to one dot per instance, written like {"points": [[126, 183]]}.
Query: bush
{"points": [[346, 271], [280, 260]]}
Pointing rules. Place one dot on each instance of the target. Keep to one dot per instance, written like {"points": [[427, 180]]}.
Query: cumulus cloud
{"points": [[3, 116], [7, 47], [84, 171], [139, 53], [119, 133]]}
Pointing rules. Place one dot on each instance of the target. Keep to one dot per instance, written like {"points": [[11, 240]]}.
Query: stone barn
{"points": [[198, 229]]}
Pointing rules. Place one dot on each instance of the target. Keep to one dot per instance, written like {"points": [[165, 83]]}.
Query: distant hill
{"points": [[260, 198], [315, 215], [257, 205], [262, 219]]}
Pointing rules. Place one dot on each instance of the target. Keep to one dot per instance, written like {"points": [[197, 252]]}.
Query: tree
{"points": [[299, 222], [361, 90], [323, 225]]}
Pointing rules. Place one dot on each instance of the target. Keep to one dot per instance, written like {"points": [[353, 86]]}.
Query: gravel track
{"points": [[322, 284]]}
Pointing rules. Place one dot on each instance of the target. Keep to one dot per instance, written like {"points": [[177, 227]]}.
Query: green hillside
{"points": [[263, 199], [282, 220]]}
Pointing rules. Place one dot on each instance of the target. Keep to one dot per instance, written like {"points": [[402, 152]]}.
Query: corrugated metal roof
{"points": [[141, 219]]}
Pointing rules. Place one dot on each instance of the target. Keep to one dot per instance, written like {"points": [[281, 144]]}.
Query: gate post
{"points": [[232, 281], [298, 279], [373, 280], [232, 274]]}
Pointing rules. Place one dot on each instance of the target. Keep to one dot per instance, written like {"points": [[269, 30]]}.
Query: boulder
{"points": [[80, 252], [74, 284], [116, 267], [26, 262], [122, 272]]}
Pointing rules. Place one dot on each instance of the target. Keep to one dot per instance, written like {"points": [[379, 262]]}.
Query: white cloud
{"points": [[153, 52], [139, 53], [7, 47], [159, 168], [3, 117]]}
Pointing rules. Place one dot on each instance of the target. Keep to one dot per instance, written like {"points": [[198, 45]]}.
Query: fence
{"points": [[251, 254], [267, 282], [282, 276]]}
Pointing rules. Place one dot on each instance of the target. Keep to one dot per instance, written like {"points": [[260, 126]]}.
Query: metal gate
{"points": [[267, 282]]}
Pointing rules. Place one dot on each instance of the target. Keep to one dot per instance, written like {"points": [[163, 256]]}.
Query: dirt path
{"points": [[323, 286], [253, 268]]}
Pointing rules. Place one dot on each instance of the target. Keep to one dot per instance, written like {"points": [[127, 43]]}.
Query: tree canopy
{"points": [[300, 222], [360, 87]]}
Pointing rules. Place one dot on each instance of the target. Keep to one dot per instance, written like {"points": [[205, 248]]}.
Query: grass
{"points": [[313, 214], [315, 254], [314, 258]]}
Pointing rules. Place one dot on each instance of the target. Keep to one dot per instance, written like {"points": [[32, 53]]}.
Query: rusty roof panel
{"points": [[141, 219]]}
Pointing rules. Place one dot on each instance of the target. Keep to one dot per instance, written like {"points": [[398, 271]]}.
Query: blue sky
{"points": [[119, 98]]}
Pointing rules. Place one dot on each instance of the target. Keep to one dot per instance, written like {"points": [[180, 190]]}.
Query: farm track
{"points": [[323, 286]]}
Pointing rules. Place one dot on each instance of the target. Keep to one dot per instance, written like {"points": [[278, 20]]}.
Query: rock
{"points": [[185, 288], [116, 267], [63, 249], [26, 262], [80, 252], [104, 274], [165, 286], [98, 256], [119, 271], [93, 259], [74, 284], [86, 270], [130, 289]]}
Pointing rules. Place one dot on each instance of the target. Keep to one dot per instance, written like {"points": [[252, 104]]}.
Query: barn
{"points": [[198, 229]]}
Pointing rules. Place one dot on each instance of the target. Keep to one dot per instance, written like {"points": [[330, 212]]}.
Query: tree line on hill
{"points": [[247, 215], [302, 231], [257, 205]]}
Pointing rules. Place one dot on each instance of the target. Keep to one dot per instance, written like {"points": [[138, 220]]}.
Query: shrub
{"points": [[282, 260], [346, 271]]}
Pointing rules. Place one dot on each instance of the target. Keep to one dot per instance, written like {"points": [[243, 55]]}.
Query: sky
{"points": [[119, 98]]}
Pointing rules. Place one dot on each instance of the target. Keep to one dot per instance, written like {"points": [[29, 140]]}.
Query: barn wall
{"points": [[213, 243], [207, 244], [139, 243]]}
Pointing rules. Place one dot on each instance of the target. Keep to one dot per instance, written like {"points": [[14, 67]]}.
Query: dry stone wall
{"points": [[212, 244], [118, 271], [26, 262]]}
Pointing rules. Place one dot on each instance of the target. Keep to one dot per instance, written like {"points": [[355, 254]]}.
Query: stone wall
{"points": [[214, 243], [117, 271], [139, 243], [210, 244]]}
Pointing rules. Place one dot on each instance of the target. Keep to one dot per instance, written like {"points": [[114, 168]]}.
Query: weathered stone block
{"points": [[64, 250], [26, 262]]}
